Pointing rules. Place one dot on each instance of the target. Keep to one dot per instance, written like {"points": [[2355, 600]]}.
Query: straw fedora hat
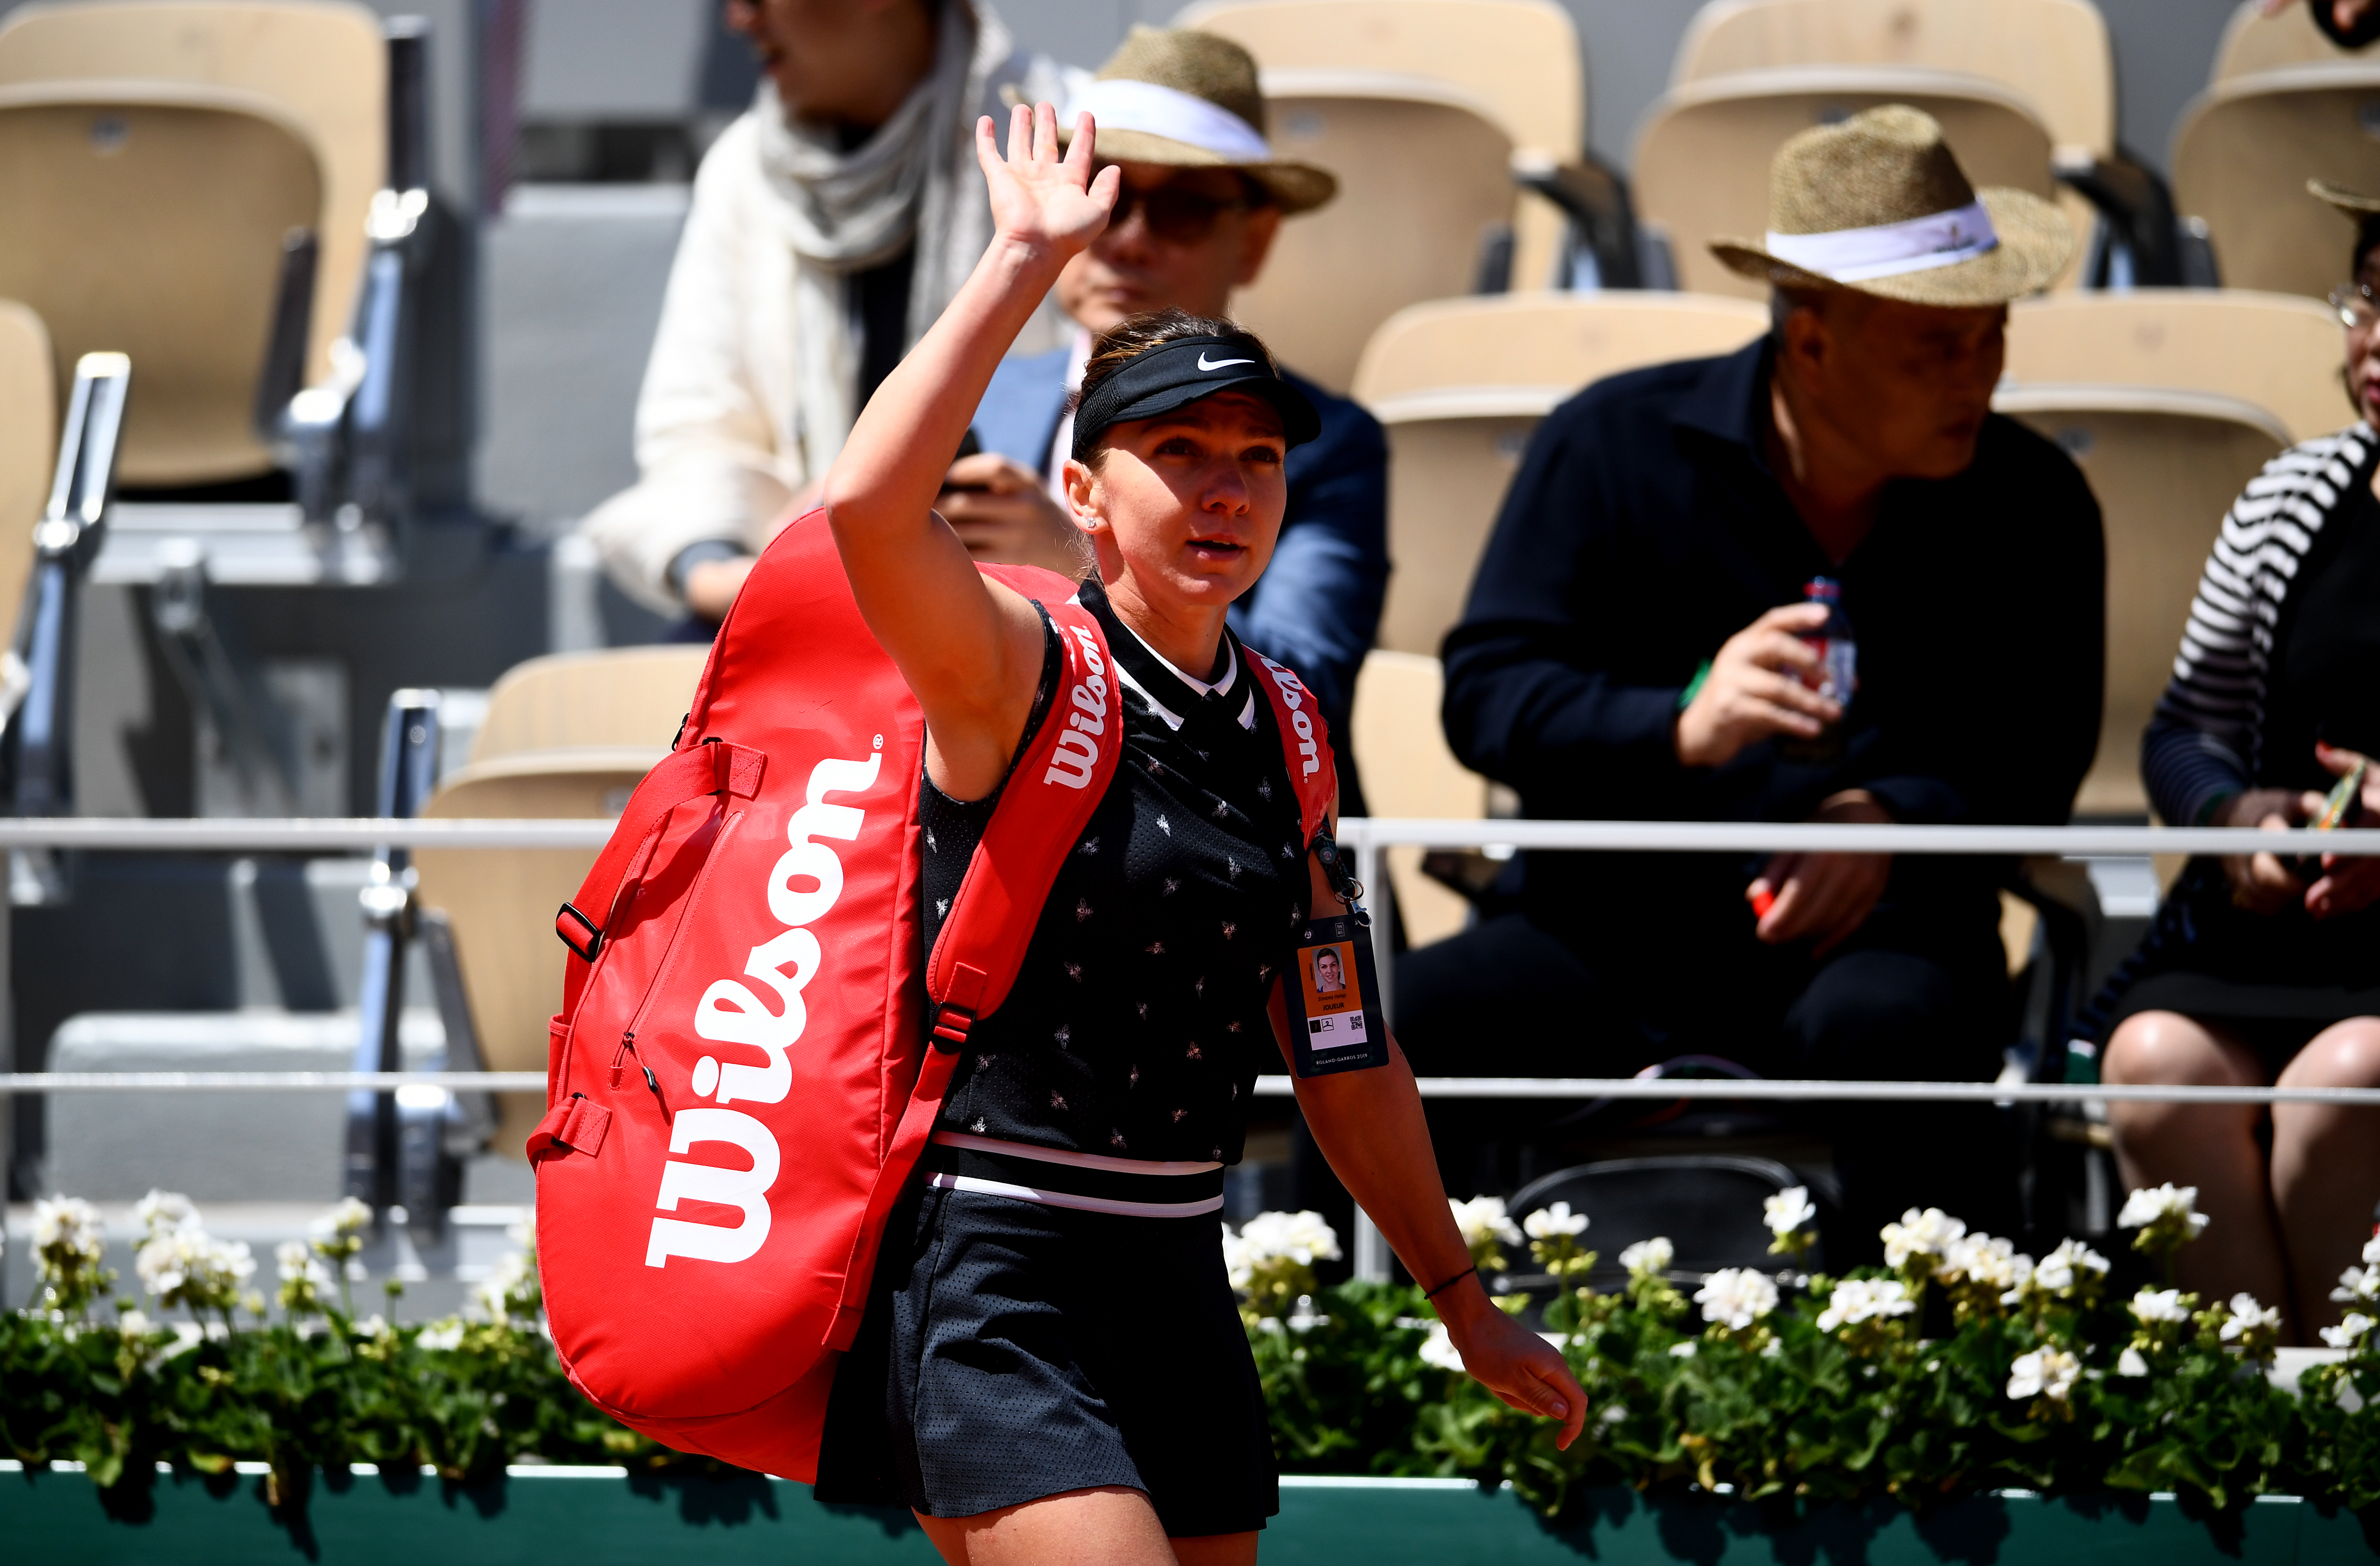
{"points": [[1877, 203], [1190, 100]]}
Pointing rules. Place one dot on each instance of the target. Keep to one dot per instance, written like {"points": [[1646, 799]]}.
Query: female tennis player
{"points": [[1053, 1368]]}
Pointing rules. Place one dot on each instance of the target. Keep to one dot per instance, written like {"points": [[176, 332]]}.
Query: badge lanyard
{"points": [[1335, 1022]]}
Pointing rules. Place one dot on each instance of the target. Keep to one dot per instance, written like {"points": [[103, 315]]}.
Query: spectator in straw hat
{"points": [[1636, 646], [1203, 198]]}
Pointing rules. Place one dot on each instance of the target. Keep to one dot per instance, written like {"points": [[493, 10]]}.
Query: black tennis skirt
{"points": [[1014, 1351]]}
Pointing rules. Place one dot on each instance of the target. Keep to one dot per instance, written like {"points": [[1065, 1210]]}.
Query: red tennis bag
{"points": [[739, 1082]]}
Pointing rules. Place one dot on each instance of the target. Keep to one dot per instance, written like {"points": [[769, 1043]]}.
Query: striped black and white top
{"points": [[2207, 740]]}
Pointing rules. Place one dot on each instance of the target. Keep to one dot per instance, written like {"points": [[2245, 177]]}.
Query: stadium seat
{"points": [[567, 735], [195, 135], [2053, 54], [1707, 1206], [1520, 57], [1408, 772], [29, 443], [1460, 383], [2166, 464], [2243, 153], [2254, 42], [1702, 157], [2277, 351], [1424, 190]]}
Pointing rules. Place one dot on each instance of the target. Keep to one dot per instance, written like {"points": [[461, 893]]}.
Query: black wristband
{"points": [[2365, 30], [1451, 1283]]}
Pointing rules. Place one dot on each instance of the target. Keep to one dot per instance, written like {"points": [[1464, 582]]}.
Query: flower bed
{"points": [[1805, 1397]]}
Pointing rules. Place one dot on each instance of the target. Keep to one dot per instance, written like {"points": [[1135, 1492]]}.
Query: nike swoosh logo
{"points": [[1221, 363]]}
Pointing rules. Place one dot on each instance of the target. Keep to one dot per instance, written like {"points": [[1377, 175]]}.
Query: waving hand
{"points": [[1040, 199]]}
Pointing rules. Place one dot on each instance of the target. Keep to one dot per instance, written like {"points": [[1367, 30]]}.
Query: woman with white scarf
{"points": [[831, 224]]}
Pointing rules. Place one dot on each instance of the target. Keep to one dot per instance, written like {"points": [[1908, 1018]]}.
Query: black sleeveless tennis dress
{"points": [[1050, 1311]]}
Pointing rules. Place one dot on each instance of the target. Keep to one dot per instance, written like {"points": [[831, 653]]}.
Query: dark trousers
{"points": [[1898, 1001]]}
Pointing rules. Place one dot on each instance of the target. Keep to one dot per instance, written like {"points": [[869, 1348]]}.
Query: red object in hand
{"points": [[1762, 901]]}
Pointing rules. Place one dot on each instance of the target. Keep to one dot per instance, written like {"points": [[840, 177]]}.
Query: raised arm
{"points": [[970, 649]]}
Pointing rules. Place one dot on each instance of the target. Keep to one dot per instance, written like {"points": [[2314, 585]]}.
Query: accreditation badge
{"points": [[1334, 1007]]}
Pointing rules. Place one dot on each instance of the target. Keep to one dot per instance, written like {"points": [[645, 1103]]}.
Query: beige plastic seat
{"points": [[2278, 351], [1460, 383], [1519, 57], [155, 229], [1399, 741], [29, 445], [2166, 464], [2054, 54], [566, 736], [1424, 179], [631, 696], [2253, 42], [1702, 154], [2242, 157], [322, 63]]}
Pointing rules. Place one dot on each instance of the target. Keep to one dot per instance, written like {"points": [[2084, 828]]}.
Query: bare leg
{"points": [[2326, 1166], [2211, 1147], [1217, 1549], [1108, 1527]]}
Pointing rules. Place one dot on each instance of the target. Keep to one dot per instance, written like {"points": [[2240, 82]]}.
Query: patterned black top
{"points": [[1136, 1026]]}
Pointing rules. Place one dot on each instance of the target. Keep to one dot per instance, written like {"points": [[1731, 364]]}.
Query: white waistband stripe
{"points": [[1068, 1199], [1059, 1155], [1172, 113], [1919, 244]]}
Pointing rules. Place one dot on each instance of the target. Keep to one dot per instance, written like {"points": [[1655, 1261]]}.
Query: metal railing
{"points": [[1369, 838]]}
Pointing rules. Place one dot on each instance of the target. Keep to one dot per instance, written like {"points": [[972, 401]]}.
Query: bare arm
{"points": [[1369, 1125], [970, 649]]}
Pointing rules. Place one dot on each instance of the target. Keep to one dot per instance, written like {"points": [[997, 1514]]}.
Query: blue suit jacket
{"points": [[1317, 604]]}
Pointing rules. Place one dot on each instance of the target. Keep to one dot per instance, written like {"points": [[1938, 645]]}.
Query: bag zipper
{"points": [[627, 1044]]}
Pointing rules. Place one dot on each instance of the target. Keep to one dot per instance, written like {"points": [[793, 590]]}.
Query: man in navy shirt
{"points": [[1637, 646], [1203, 198]]}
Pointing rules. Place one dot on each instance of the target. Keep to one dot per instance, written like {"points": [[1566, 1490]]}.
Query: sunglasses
{"points": [[1173, 215], [2356, 305]]}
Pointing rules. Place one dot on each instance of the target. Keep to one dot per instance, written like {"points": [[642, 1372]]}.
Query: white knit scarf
{"points": [[914, 181]]}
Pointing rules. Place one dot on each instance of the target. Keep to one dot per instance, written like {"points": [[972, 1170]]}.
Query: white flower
{"points": [[1438, 1349], [1646, 1258], [2044, 1373], [2129, 1363], [1611, 1414], [2152, 1306], [2246, 1317], [348, 1218], [1859, 1299], [2063, 1267], [2179, 1203], [1483, 1221], [1926, 1234], [1682, 1349], [190, 1267], [294, 1259], [68, 1226], [1986, 1262], [372, 1326], [1301, 1237], [1735, 1298], [1772, 1348], [161, 1210], [441, 1335], [1546, 1222], [2357, 1283], [2343, 1336], [1787, 1211], [135, 1324], [511, 1277]]}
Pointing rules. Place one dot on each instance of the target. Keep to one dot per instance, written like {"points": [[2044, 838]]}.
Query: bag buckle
{"points": [[951, 1024], [593, 934]]}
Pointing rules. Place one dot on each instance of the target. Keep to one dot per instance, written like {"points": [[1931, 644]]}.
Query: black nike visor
{"points": [[1183, 372]]}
